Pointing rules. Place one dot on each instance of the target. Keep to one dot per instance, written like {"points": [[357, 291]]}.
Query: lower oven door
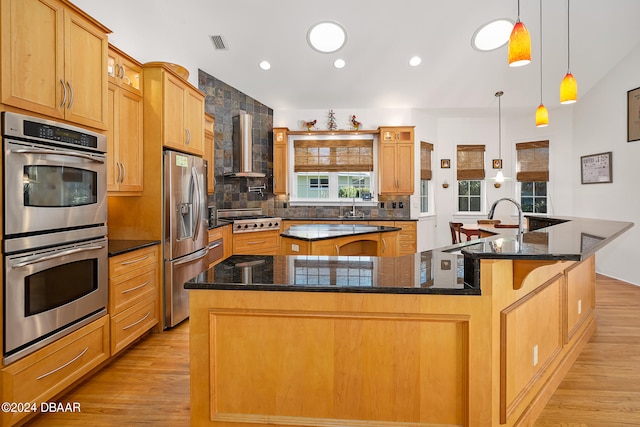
{"points": [[51, 292]]}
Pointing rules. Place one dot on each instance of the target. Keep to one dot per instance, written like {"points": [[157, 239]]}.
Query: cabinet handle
{"points": [[337, 250], [124, 172], [119, 179], [64, 94], [121, 68], [384, 246], [133, 261], [71, 96], [256, 243], [124, 328], [63, 366], [126, 291]]}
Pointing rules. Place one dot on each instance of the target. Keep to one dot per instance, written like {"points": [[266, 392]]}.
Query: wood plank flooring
{"points": [[149, 384]]}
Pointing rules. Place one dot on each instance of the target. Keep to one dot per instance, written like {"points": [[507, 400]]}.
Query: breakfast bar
{"points": [[474, 334]]}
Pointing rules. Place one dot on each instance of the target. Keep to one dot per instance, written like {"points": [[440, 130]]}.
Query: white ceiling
{"points": [[382, 36]]}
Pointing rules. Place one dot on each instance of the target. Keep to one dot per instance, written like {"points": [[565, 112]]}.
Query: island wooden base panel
{"points": [[345, 359]]}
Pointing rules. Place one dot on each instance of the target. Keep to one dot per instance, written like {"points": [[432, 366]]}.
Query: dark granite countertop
{"points": [[438, 271], [119, 247], [349, 218], [313, 232]]}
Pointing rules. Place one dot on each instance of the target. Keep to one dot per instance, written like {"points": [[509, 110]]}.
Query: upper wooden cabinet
{"points": [[209, 153], [54, 61], [396, 160], [124, 71], [280, 160], [176, 106]]}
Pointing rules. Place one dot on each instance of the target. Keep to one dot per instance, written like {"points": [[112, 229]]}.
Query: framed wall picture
{"points": [[497, 163], [445, 163], [596, 168], [633, 115]]}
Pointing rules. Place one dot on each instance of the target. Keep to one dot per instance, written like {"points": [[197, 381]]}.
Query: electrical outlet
{"points": [[393, 205], [401, 205], [295, 248], [381, 205], [579, 306], [535, 355]]}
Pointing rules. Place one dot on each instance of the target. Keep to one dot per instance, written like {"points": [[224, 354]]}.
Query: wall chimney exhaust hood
{"points": [[243, 147]]}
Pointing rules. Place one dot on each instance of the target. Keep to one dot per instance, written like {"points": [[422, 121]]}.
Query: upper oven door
{"points": [[49, 188]]}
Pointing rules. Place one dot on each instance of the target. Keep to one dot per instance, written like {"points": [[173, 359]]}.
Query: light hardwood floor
{"points": [[149, 384]]}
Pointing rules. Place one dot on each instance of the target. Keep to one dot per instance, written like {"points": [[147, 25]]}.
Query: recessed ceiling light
{"points": [[265, 65], [492, 35], [339, 63], [326, 37], [415, 61]]}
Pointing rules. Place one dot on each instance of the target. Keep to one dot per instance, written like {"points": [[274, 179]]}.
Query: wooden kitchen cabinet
{"points": [[407, 237], [174, 106], [134, 282], [54, 61], [256, 243], [280, 160], [44, 374], [396, 160], [124, 71], [209, 151], [124, 142]]}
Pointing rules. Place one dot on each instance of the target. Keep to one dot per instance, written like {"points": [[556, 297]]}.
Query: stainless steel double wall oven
{"points": [[54, 231]]}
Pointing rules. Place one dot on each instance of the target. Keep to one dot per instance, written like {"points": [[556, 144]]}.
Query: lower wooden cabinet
{"points": [[407, 238], [40, 376], [258, 243], [134, 282]]}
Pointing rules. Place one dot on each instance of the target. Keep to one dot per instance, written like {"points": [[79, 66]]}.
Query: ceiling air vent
{"points": [[218, 42]]}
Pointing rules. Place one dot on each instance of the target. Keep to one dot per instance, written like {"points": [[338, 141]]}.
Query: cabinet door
{"points": [[33, 55], [404, 168], [130, 148], [85, 76], [173, 113], [280, 167], [113, 167], [194, 121], [387, 166]]}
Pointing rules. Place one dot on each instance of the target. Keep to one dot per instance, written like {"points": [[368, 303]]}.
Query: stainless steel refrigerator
{"points": [[185, 230]]}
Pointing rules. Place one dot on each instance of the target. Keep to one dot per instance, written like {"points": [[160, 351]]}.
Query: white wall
{"points": [[600, 125]]}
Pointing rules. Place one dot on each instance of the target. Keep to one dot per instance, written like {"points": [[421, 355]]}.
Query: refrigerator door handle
{"points": [[193, 257], [196, 186]]}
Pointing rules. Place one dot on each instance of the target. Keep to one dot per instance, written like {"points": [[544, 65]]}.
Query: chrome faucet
{"points": [[492, 211]]}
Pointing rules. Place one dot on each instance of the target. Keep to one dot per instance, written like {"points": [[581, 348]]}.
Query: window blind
{"points": [[470, 162], [425, 160], [533, 161], [351, 155]]}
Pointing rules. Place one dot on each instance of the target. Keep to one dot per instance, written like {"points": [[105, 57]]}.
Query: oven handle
{"points": [[57, 255], [60, 153], [196, 256]]}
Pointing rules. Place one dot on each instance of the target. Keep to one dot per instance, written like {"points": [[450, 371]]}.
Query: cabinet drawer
{"points": [[259, 243], [215, 234], [43, 374], [132, 287], [129, 325], [120, 264]]}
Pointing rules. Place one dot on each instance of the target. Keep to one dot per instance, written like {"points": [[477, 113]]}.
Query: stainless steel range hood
{"points": [[243, 147]]}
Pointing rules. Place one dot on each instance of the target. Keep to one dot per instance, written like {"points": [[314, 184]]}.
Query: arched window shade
{"points": [[470, 162], [533, 161], [425, 160], [333, 155]]}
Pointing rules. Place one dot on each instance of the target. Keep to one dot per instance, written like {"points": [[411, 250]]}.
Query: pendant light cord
{"points": [[499, 95], [541, 52], [568, 38]]}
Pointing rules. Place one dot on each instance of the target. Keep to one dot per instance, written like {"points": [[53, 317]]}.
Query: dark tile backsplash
{"points": [[223, 102]]}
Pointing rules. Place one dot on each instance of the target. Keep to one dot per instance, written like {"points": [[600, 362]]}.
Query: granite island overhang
{"points": [[414, 346]]}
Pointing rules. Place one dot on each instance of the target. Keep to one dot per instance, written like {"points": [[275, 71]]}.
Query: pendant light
{"points": [[499, 175], [519, 44], [542, 115], [569, 86]]}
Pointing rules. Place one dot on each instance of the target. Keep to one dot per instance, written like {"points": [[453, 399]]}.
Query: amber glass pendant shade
{"points": [[519, 45], [542, 116], [568, 89]]}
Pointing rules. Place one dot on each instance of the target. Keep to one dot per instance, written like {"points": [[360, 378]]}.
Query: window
{"points": [[470, 174], [533, 175], [331, 170], [533, 196], [469, 195], [425, 174]]}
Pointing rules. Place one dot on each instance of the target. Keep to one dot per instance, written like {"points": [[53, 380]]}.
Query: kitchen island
{"points": [[406, 341], [339, 239]]}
